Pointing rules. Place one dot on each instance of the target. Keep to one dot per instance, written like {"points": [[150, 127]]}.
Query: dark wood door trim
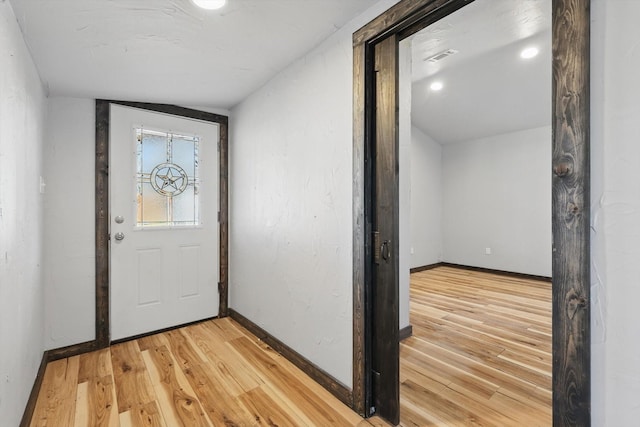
{"points": [[570, 210], [361, 245], [570, 192], [102, 223], [385, 346], [102, 205]]}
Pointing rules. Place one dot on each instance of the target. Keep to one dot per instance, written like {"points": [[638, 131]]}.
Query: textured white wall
{"points": [[615, 209], [598, 256], [497, 194], [70, 222], [291, 204], [615, 206], [426, 199], [404, 196], [22, 118]]}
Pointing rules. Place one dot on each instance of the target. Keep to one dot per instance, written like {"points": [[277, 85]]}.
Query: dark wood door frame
{"points": [[102, 205], [102, 285], [384, 301], [570, 196]]}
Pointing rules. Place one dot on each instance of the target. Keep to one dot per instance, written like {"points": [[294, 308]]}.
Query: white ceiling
{"points": [[489, 89], [170, 51]]}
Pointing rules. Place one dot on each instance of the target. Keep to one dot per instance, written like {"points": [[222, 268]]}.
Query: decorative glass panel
{"points": [[183, 154], [167, 179]]}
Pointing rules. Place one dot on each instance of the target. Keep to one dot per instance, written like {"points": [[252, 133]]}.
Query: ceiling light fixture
{"points": [[436, 86], [529, 53], [209, 4]]}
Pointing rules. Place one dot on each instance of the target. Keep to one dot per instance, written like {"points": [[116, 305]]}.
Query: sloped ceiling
{"points": [[171, 51], [488, 88]]}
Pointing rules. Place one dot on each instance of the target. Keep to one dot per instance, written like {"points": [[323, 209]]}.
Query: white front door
{"points": [[163, 181]]}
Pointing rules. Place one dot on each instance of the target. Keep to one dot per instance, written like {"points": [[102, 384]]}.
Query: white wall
{"points": [[426, 199], [615, 195], [615, 208], [22, 117], [598, 256], [497, 194], [291, 204], [404, 178], [70, 222]]}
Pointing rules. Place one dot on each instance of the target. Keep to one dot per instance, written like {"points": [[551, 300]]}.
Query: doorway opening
{"points": [[102, 206], [475, 210], [376, 126]]}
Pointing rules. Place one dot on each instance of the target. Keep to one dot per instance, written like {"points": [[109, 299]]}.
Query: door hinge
{"points": [[219, 286], [376, 247], [219, 216]]}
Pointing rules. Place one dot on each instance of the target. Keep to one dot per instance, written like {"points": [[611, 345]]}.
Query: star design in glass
{"points": [[169, 180]]}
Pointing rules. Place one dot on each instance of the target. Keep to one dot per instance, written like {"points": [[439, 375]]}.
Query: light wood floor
{"points": [[210, 374], [480, 354]]}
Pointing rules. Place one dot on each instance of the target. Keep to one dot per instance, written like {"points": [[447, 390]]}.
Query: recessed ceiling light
{"points": [[209, 4], [436, 86], [529, 53]]}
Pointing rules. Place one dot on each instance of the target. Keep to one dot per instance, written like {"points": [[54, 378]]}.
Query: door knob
{"points": [[119, 236]]}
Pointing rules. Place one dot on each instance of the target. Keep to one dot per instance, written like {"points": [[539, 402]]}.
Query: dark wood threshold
{"points": [[35, 391], [405, 332], [317, 374], [425, 267]]}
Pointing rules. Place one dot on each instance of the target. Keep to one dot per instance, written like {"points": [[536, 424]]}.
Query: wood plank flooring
{"points": [[480, 354], [209, 374]]}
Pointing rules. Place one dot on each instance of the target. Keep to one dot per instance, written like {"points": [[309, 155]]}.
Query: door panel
{"points": [[163, 180], [149, 274], [189, 266], [385, 345]]}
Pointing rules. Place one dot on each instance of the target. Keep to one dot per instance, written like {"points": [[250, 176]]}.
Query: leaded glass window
{"points": [[167, 179]]}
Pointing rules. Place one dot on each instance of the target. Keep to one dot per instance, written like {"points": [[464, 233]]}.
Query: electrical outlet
{"points": [[487, 251], [412, 250]]}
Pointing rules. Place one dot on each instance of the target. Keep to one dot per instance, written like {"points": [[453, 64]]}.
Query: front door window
{"points": [[167, 179]]}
